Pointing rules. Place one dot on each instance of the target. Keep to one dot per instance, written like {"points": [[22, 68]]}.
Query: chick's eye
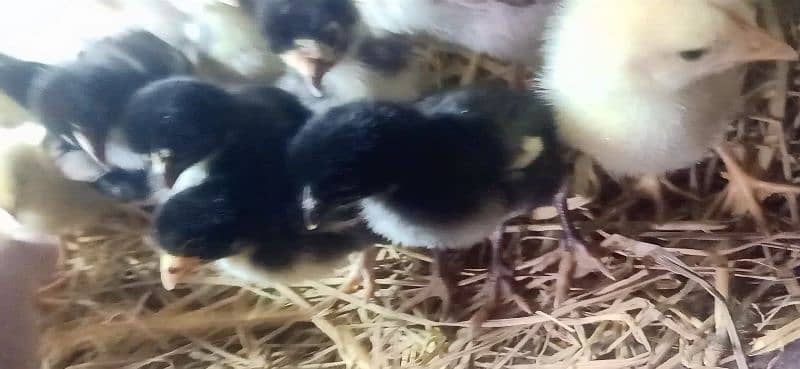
{"points": [[693, 55]]}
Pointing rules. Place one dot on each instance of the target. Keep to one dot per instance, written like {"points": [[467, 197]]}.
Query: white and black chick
{"points": [[80, 103], [86, 97], [182, 121], [243, 215], [379, 68], [310, 36], [444, 173]]}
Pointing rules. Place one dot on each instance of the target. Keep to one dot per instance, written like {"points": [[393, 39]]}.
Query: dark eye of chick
{"points": [[693, 55]]}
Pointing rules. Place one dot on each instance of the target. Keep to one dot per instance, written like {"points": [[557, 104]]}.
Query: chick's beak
{"points": [[171, 173], [318, 69], [175, 268], [312, 60], [165, 164], [93, 143], [755, 44]]}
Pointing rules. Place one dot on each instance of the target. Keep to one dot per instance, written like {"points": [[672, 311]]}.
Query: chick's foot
{"points": [[441, 284], [578, 257], [500, 285], [744, 191]]}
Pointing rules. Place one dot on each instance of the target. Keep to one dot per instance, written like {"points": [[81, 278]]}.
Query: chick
{"points": [[243, 214], [182, 121], [241, 226], [310, 36], [662, 82], [510, 30], [80, 104], [33, 190], [446, 173], [380, 68], [82, 101]]}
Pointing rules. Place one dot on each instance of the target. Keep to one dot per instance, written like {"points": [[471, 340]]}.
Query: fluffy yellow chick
{"points": [[649, 86], [646, 87], [33, 190]]}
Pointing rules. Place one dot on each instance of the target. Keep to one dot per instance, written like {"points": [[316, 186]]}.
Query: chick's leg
{"points": [[500, 283], [576, 251], [363, 273], [441, 285], [744, 190], [650, 186], [471, 72]]}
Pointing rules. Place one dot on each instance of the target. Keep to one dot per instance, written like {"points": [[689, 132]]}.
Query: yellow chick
{"points": [[647, 87], [33, 190]]}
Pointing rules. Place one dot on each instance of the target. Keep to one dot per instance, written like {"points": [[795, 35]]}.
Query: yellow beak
{"points": [[174, 269], [754, 44]]}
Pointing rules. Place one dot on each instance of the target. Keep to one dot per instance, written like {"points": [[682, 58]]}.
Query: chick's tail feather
{"points": [[17, 76]]}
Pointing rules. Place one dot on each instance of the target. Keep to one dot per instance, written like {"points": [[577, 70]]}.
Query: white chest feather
{"points": [[462, 234], [191, 177], [119, 153]]}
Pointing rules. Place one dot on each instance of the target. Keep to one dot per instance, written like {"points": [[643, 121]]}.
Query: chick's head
{"points": [[666, 44], [179, 122], [310, 36], [200, 222]]}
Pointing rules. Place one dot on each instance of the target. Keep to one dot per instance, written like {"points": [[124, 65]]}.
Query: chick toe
{"points": [[744, 191], [500, 285], [441, 285]]}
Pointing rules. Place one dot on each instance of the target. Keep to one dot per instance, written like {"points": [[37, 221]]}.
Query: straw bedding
{"points": [[705, 286]]}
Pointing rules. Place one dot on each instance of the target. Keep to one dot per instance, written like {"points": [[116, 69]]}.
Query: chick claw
{"points": [[440, 284], [745, 190], [437, 287], [500, 285]]}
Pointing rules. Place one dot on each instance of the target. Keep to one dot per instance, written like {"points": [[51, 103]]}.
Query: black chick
{"points": [[310, 36], [182, 121], [243, 214], [445, 173], [81, 101]]}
